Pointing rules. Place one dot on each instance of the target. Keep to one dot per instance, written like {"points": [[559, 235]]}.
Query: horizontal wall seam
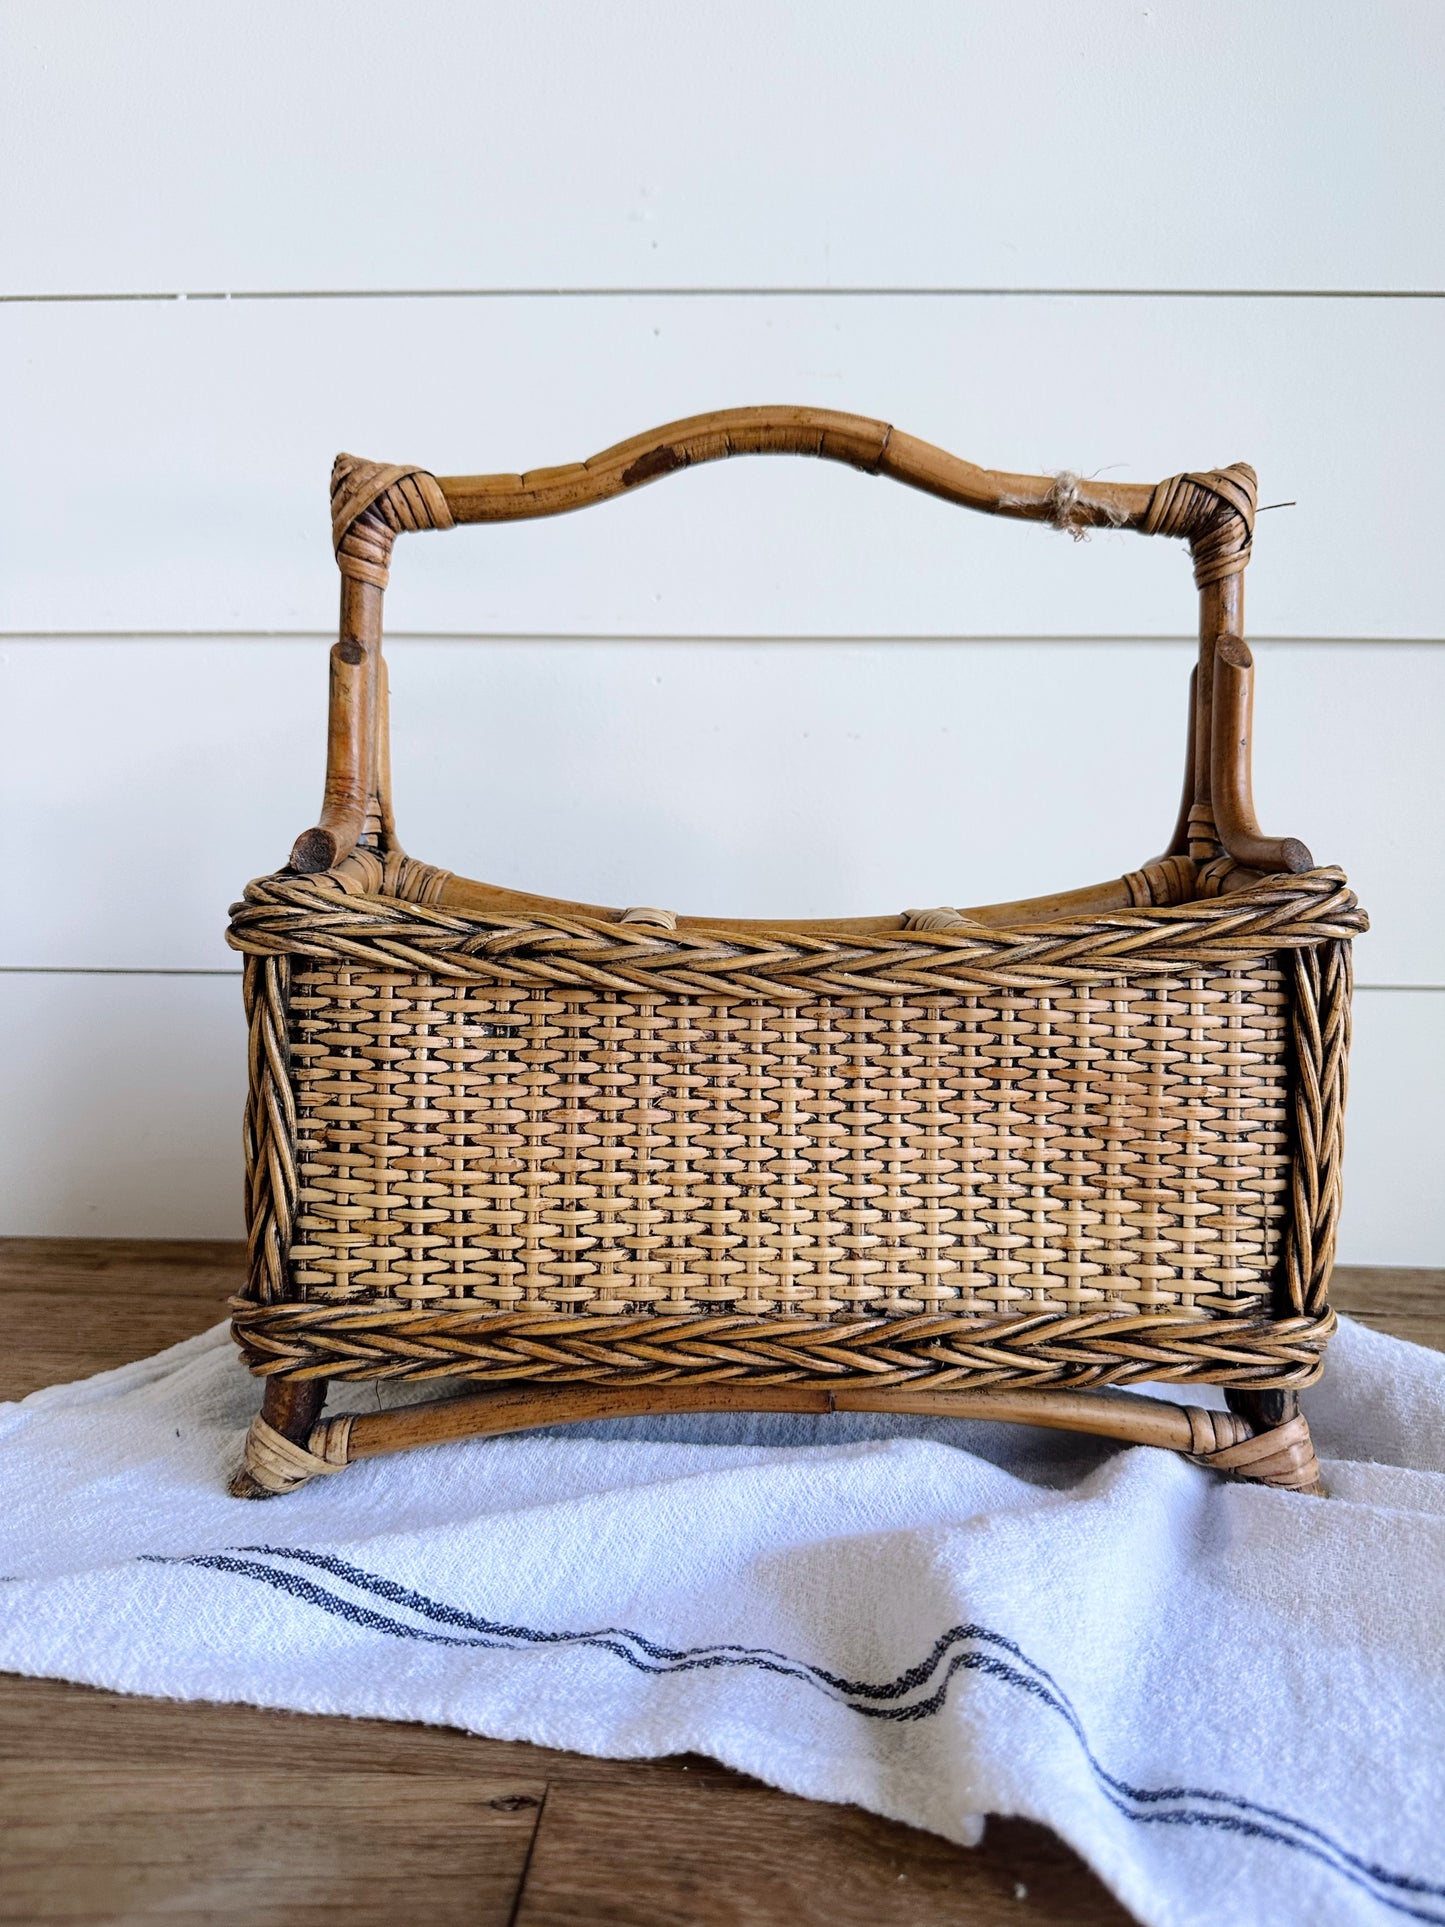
{"points": [[738, 293], [701, 636], [107, 970]]}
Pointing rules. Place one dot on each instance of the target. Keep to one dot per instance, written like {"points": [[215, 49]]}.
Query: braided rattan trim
{"points": [[1321, 1007], [310, 917], [381, 1341], [269, 1129]]}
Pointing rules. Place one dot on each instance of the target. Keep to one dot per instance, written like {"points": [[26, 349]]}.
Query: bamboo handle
{"points": [[373, 502], [872, 446]]}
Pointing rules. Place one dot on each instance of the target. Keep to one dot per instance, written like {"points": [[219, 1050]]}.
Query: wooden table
{"points": [[119, 1809]]}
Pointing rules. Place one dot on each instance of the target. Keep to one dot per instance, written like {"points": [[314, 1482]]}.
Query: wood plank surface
{"points": [[647, 1841], [134, 1809], [1406, 1301], [727, 1851], [195, 1843], [70, 1307]]}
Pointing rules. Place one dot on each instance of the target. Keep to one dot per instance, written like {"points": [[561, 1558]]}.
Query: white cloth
{"points": [[1228, 1699]]}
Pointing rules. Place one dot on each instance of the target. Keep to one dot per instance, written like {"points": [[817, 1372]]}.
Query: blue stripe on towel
{"points": [[917, 1693]]}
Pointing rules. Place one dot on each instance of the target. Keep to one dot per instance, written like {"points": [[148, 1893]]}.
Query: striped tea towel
{"points": [[1230, 1700]]}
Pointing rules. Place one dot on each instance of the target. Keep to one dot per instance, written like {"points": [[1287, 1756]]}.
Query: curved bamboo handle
{"points": [[372, 503], [872, 446]]}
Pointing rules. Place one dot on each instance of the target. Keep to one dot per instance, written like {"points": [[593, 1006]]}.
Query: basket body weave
{"points": [[982, 1170], [1087, 1141]]}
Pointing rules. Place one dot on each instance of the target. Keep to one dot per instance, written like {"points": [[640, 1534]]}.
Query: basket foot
{"points": [[1278, 1450], [278, 1456]]}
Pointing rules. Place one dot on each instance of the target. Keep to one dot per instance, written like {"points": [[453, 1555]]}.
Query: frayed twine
{"points": [[1067, 509]]}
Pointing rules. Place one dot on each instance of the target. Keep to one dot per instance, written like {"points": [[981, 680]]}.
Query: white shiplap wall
{"points": [[1107, 237]]}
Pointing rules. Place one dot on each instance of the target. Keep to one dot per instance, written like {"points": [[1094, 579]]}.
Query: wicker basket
{"points": [[986, 1161]]}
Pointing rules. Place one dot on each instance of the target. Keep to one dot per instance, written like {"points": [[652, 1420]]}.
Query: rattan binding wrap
{"points": [[1086, 1142]]}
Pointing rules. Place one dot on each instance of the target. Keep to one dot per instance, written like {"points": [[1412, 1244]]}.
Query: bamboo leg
{"points": [[1263, 1410], [290, 1408]]}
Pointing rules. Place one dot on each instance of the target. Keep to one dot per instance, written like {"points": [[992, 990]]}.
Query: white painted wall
{"points": [[468, 143], [1101, 236]]}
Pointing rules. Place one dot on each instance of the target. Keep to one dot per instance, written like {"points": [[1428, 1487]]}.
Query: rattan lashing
{"points": [[987, 1157]]}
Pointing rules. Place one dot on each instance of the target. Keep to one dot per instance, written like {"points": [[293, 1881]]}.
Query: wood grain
{"points": [[180, 1842], [73, 1306], [728, 1852], [1408, 1301], [724, 1844], [144, 1792]]}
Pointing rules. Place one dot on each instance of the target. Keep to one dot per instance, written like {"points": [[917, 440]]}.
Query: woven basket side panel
{"points": [[1321, 1012], [998, 1153]]}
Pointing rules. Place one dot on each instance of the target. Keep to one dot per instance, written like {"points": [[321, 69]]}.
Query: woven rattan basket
{"points": [[990, 1161]]}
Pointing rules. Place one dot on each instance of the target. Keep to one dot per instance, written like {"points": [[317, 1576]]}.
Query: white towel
{"points": [[1227, 1699]]}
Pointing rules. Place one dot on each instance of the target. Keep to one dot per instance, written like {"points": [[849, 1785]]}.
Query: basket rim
{"points": [[336, 917]]}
